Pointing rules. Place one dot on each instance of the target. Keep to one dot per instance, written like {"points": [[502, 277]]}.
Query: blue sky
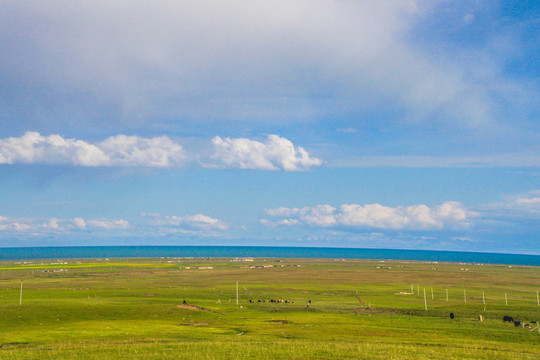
{"points": [[385, 124]]}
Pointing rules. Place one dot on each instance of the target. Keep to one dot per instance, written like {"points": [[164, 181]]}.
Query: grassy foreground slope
{"points": [[360, 309]]}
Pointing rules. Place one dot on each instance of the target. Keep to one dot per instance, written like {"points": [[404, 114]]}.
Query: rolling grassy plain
{"points": [[133, 309]]}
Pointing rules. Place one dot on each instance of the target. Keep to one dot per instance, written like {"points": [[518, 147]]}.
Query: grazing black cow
{"points": [[508, 319], [452, 316], [250, 301], [184, 302], [518, 323], [528, 326], [259, 300], [309, 301]]}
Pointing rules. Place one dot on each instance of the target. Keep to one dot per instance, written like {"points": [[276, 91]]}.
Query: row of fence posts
{"points": [[464, 296]]}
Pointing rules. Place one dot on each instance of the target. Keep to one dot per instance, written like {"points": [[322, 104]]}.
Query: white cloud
{"points": [[121, 150], [53, 224], [347, 130], [21, 227], [107, 224], [79, 223], [523, 206], [241, 59], [468, 19], [417, 217], [33, 148], [188, 222], [37, 226], [136, 151], [530, 201], [276, 153]]}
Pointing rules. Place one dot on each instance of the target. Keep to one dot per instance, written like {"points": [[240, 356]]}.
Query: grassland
{"points": [[360, 309]]}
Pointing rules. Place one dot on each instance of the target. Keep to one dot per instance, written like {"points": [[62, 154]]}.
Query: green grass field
{"points": [[360, 309]]}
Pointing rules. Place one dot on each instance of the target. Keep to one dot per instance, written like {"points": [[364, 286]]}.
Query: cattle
{"points": [[508, 319], [528, 326], [452, 316], [518, 323], [480, 318], [184, 302], [259, 300]]}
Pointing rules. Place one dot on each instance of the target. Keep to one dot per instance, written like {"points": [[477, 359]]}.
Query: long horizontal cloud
{"points": [[121, 150], [149, 224], [54, 225], [416, 217], [274, 154]]}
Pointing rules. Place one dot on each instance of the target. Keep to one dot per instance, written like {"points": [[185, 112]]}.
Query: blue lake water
{"points": [[92, 252]]}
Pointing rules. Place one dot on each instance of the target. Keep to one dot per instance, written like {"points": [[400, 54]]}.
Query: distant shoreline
{"points": [[91, 252]]}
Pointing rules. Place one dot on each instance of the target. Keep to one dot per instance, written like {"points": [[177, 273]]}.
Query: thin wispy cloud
{"points": [[39, 226], [248, 60], [522, 206], [147, 224]]}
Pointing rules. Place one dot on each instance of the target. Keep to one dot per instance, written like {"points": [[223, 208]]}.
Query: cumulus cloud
{"points": [[34, 148], [137, 151], [416, 217], [276, 153], [121, 150], [79, 223]]}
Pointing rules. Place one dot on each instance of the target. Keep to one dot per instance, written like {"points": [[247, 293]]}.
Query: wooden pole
{"points": [[446, 295], [538, 303], [20, 297], [483, 298], [425, 300], [237, 293], [412, 290], [432, 294]]}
